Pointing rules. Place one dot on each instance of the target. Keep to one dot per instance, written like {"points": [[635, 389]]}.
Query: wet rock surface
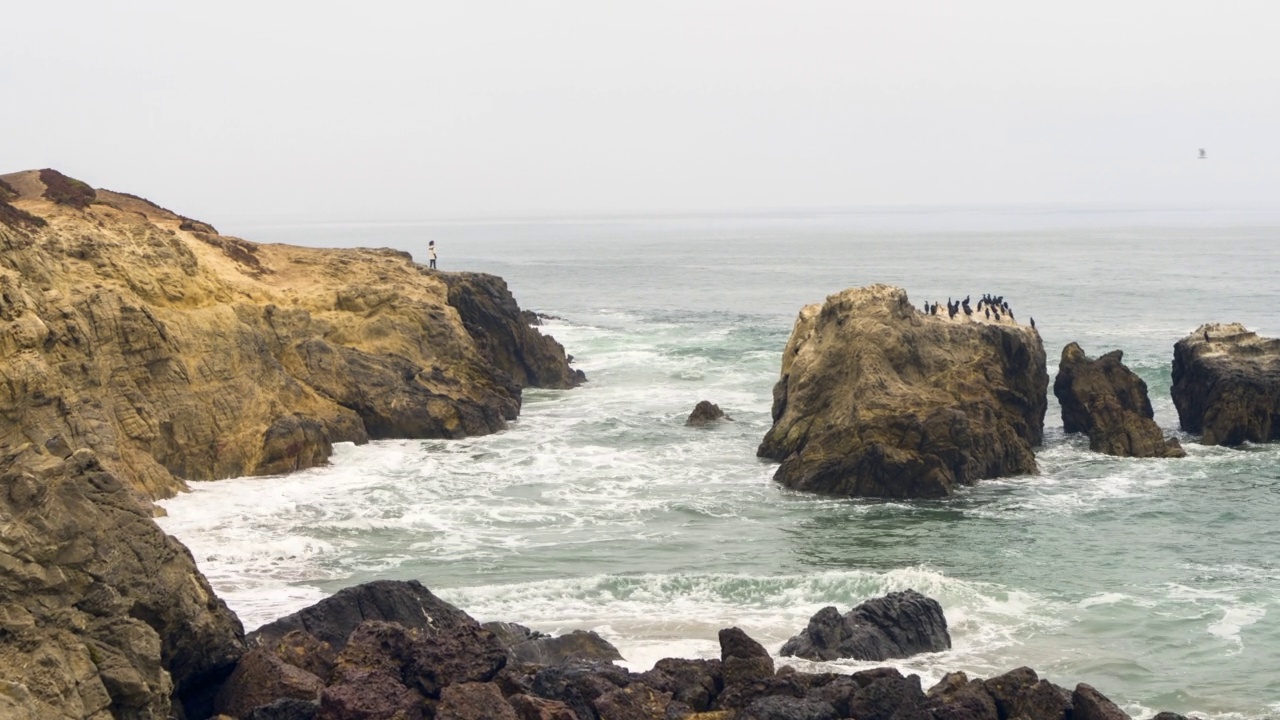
{"points": [[1226, 385], [528, 646], [1109, 402], [898, 625], [877, 399]]}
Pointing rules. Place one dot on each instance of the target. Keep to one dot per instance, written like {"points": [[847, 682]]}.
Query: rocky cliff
{"points": [[878, 399], [1109, 402], [101, 614], [177, 353], [1226, 384]]}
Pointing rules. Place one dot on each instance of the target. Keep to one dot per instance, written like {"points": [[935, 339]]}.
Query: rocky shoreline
{"points": [[141, 349]]}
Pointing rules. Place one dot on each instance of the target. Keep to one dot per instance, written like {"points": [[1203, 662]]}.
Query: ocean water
{"points": [[1157, 581]]}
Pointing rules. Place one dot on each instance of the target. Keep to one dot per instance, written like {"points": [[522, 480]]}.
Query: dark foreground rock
{"points": [[706, 413], [1109, 402], [333, 619], [458, 670], [877, 399], [898, 625], [1226, 385], [101, 613]]}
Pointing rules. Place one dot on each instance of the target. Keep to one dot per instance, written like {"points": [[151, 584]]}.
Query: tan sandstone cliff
{"points": [[878, 399], [176, 353]]}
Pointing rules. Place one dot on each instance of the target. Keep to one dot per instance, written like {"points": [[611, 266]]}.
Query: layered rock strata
{"points": [[101, 614], [878, 399], [1226, 385], [898, 625], [1109, 402], [176, 353]]}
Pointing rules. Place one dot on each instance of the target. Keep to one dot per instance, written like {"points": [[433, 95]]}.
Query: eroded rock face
{"points": [[1109, 402], [179, 354], [1226, 385], [877, 399], [898, 625], [100, 611]]}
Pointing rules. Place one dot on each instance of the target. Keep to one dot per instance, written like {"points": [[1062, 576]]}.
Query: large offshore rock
{"points": [[898, 625], [101, 613], [1226, 385], [176, 353], [1109, 402], [877, 399]]}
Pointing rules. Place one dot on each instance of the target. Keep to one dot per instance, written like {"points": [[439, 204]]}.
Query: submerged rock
{"points": [[1109, 402], [1226, 385], [898, 625], [176, 353], [706, 413], [877, 399]]}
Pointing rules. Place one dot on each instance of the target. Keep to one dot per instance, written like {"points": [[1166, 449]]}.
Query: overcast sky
{"points": [[401, 111]]}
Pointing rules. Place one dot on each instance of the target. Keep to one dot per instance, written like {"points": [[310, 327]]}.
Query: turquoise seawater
{"points": [[1157, 581]]}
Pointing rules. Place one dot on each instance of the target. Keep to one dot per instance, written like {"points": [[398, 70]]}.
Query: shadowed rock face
{"points": [[877, 399], [898, 625], [1227, 386], [1109, 402], [179, 354], [100, 611]]}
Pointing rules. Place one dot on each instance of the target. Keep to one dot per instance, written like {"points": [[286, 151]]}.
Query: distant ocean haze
{"points": [[1158, 581]]}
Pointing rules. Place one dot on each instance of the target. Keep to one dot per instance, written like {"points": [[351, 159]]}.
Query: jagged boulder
{"points": [[706, 413], [100, 611], [877, 399], [176, 353], [332, 620], [1109, 402], [898, 625], [529, 646], [1226, 385]]}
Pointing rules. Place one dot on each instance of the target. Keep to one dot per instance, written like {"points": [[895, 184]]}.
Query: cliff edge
{"points": [[877, 399], [177, 353]]}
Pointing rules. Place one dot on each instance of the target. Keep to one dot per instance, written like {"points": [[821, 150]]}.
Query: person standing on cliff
{"points": [[431, 254]]}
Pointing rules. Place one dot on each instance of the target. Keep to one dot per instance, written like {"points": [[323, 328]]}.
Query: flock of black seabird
{"points": [[992, 307]]}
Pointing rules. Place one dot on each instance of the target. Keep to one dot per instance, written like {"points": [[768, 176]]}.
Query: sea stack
{"points": [[1226, 385], [1109, 402], [878, 400], [176, 353]]}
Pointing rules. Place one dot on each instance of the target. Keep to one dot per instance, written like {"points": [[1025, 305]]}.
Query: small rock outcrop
{"points": [[1109, 402], [101, 613], [706, 413], [877, 399], [176, 353], [898, 625], [1226, 385], [529, 646]]}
